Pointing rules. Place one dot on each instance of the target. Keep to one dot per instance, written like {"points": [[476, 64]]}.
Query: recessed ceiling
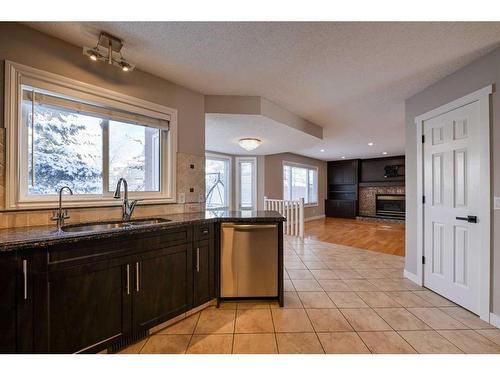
{"points": [[223, 131], [351, 78]]}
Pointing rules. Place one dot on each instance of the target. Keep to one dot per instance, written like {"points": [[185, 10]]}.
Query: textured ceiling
{"points": [[351, 78], [223, 131]]}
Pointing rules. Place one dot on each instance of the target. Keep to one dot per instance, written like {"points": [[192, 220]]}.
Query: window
{"points": [[217, 182], [246, 183], [85, 141], [300, 181]]}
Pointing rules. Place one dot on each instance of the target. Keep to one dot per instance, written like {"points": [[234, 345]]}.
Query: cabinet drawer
{"points": [[66, 255], [203, 231]]}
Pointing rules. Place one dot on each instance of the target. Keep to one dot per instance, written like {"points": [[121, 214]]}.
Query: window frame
{"points": [[304, 166], [229, 159], [253, 160], [17, 75]]}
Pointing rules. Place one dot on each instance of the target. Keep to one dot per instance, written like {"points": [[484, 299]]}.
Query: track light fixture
{"points": [[108, 49]]}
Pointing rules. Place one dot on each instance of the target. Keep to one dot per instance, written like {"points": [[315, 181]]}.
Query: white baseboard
{"points": [[495, 320], [411, 276], [314, 218]]}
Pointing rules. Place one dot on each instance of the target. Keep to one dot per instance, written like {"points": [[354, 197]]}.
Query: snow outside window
{"points": [[300, 182], [86, 148]]}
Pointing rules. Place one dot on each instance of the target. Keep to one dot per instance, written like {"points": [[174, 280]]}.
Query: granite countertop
{"points": [[37, 236]]}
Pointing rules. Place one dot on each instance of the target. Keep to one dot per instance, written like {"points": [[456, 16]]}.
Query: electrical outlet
{"points": [[496, 204], [182, 197]]}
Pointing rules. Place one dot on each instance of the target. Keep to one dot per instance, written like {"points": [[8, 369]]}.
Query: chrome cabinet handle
{"points": [[128, 278], [25, 278], [136, 276], [197, 259]]}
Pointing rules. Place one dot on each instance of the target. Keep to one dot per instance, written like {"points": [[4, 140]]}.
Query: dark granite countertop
{"points": [[37, 236]]}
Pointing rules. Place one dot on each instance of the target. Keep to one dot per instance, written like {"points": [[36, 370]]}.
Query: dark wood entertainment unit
{"points": [[345, 177]]}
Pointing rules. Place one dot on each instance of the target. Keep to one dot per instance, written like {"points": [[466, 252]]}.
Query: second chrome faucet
{"points": [[127, 206]]}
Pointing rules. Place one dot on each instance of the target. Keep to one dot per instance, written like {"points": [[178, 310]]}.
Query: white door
{"points": [[452, 198]]}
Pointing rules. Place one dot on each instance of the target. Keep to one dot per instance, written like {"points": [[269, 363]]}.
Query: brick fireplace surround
{"points": [[368, 197]]}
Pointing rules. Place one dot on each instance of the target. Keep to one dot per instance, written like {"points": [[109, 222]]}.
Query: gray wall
{"points": [[274, 179], [478, 74], [24, 45]]}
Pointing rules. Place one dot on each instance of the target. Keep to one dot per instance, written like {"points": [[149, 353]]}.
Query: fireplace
{"points": [[390, 206]]}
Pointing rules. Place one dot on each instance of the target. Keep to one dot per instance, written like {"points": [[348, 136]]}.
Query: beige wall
{"points": [[23, 45], [274, 179], [478, 74]]}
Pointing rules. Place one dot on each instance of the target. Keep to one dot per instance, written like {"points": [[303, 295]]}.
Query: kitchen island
{"points": [[85, 289]]}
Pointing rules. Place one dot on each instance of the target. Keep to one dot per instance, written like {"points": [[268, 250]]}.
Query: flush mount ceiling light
{"points": [[370, 144], [249, 144], [384, 153], [108, 49]]}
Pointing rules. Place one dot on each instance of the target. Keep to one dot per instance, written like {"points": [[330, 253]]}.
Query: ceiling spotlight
{"points": [[343, 157], [249, 144], [321, 150], [108, 49], [370, 143], [384, 153], [93, 55], [125, 66]]}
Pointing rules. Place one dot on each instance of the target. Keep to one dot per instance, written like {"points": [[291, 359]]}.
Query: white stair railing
{"points": [[293, 211]]}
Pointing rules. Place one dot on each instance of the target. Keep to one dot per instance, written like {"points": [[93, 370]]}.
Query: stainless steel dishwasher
{"points": [[249, 260]]}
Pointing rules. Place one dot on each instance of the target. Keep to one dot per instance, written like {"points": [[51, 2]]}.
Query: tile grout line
{"points": [[274, 332], [234, 328], [194, 330], [314, 330]]}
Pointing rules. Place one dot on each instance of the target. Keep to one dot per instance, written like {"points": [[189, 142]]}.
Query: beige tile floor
{"points": [[338, 299]]}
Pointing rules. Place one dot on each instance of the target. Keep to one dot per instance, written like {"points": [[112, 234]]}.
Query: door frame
{"points": [[483, 97]]}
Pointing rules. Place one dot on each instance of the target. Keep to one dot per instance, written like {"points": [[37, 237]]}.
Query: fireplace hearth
{"points": [[390, 206]]}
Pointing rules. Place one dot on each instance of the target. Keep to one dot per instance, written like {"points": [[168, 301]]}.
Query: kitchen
{"points": [[86, 273]]}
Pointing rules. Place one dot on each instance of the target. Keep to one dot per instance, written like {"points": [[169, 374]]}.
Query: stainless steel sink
{"points": [[107, 225]]}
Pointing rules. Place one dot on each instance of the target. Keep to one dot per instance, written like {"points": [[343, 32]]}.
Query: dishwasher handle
{"points": [[249, 226]]}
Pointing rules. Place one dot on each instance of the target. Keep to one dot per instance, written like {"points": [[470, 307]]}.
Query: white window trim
{"points": [[253, 160], [294, 164], [213, 155], [17, 74]]}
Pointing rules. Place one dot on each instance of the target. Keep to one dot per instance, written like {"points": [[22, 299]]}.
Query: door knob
{"points": [[469, 219]]}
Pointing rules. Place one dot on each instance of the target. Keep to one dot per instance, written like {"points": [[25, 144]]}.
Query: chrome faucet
{"points": [[59, 216], [127, 206]]}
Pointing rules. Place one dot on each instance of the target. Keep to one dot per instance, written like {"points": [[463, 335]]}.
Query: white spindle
{"points": [[301, 218], [293, 211]]}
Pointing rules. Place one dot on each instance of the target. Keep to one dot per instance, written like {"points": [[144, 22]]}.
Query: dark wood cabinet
{"points": [[340, 208], [342, 189], [162, 281], [88, 306], [203, 271], [8, 275], [342, 173], [96, 293]]}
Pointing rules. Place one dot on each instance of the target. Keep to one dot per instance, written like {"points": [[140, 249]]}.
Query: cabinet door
{"points": [[89, 306], [8, 272], [161, 285], [203, 262]]}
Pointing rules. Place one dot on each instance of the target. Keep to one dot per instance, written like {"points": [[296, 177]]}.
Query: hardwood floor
{"points": [[377, 236]]}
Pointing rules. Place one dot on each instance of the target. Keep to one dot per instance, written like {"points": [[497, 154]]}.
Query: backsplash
{"points": [[190, 187]]}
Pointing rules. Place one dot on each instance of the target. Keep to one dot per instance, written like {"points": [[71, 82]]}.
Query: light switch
{"points": [[496, 204]]}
